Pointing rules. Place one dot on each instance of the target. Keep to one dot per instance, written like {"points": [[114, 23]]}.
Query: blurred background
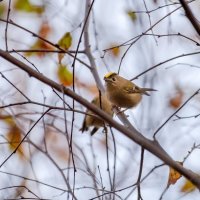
{"points": [[125, 36]]}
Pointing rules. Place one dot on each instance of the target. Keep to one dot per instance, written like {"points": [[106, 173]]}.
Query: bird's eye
{"points": [[113, 79]]}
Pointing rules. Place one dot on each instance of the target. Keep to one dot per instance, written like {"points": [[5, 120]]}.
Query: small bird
{"points": [[91, 120], [122, 92]]}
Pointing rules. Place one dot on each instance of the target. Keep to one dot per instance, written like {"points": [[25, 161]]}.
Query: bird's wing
{"points": [[128, 90]]}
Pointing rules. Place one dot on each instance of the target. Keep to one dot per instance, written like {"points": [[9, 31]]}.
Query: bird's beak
{"points": [[144, 91], [107, 79]]}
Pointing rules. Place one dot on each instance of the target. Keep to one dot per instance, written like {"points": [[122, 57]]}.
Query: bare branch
{"points": [[190, 16], [133, 134]]}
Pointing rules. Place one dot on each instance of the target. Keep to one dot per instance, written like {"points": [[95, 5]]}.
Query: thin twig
{"points": [[154, 135], [45, 40], [15, 150], [6, 29], [163, 62], [15, 87], [130, 132], [151, 28]]}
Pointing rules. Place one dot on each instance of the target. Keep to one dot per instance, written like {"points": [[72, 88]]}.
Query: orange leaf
{"points": [[188, 186], [40, 44], [14, 138], [173, 175], [115, 51], [64, 75], [176, 101], [14, 135], [7, 119]]}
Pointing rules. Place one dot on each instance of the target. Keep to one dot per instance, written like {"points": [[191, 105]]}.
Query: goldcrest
{"points": [[91, 120], [122, 92]]}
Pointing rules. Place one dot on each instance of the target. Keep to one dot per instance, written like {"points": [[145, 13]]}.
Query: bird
{"points": [[91, 119], [122, 92]]}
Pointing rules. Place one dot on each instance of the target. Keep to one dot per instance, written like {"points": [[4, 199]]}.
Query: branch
{"points": [[163, 62], [190, 16], [6, 30], [88, 53], [45, 40], [150, 145]]}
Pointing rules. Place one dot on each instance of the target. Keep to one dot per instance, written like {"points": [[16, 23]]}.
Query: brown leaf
{"points": [[64, 75], [176, 101], [115, 51], [14, 137], [44, 31], [173, 175], [8, 119]]}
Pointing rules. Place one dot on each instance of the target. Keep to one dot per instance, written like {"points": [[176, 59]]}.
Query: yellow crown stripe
{"points": [[109, 74]]}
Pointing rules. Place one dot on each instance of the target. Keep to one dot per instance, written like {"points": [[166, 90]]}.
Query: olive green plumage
{"points": [[91, 120], [122, 92]]}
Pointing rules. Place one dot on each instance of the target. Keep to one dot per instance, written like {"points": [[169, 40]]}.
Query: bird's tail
{"points": [[84, 127], [144, 91]]}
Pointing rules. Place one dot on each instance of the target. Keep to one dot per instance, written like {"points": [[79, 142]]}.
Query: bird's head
{"points": [[111, 78]]}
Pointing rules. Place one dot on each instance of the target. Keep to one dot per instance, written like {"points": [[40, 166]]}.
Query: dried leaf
{"points": [[2, 9], [115, 51], [176, 101], [65, 43], [7, 119], [45, 29], [40, 44], [132, 15], [173, 175], [64, 75], [188, 186], [27, 6], [14, 135]]}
